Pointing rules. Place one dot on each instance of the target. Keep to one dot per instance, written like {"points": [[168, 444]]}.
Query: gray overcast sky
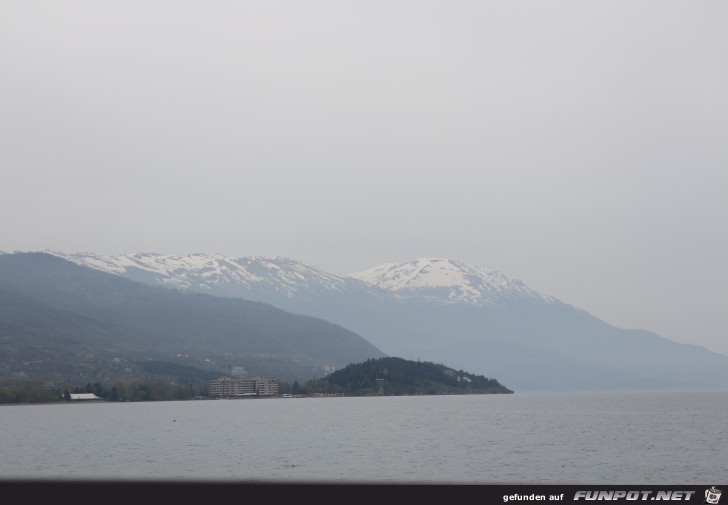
{"points": [[581, 147]]}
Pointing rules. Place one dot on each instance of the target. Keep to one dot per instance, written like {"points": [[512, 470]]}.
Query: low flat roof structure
{"points": [[84, 396]]}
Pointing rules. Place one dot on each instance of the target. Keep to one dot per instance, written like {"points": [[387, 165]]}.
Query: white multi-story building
{"points": [[255, 386]]}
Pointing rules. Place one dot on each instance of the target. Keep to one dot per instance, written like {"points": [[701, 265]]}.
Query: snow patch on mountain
{"points": [[209, 272], [435, 280], [445, 280]]}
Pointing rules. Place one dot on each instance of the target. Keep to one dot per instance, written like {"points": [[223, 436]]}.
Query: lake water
{"points": [[638, 438]]}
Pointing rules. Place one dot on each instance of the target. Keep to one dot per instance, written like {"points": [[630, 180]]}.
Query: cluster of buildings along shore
{"points": [[225, 387]]}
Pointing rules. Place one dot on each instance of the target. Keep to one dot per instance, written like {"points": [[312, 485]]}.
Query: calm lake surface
{"points": [[637, 438]]}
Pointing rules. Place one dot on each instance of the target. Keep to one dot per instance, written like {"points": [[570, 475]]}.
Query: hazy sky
{"points": [[581, 147]]}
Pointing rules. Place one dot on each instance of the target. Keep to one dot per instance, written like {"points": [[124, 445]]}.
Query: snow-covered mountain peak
{"points": [[445, 280]]}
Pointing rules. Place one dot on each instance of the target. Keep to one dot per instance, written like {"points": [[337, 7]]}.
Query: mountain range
{"points": [[444, 311], [63, 322]]}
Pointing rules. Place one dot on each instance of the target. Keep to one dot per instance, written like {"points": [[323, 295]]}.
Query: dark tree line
{"points": [[27, 392], [135, 391]]}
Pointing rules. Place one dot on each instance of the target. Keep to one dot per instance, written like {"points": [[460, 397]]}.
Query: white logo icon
{"points": [[712, 495]]}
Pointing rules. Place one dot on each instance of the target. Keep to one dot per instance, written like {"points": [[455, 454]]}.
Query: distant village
{"points": [[223, 387]]}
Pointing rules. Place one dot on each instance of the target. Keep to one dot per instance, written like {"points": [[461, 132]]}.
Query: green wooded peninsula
{"points": [[397, 376]]}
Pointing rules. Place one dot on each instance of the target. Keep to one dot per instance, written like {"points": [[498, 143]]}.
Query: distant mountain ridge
{"points": [[218, 273], [446, 311], [59, 320], [433, 279]]}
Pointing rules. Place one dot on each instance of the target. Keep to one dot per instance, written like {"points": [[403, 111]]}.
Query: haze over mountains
{"points": [[445, 311], [61, 321]]}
